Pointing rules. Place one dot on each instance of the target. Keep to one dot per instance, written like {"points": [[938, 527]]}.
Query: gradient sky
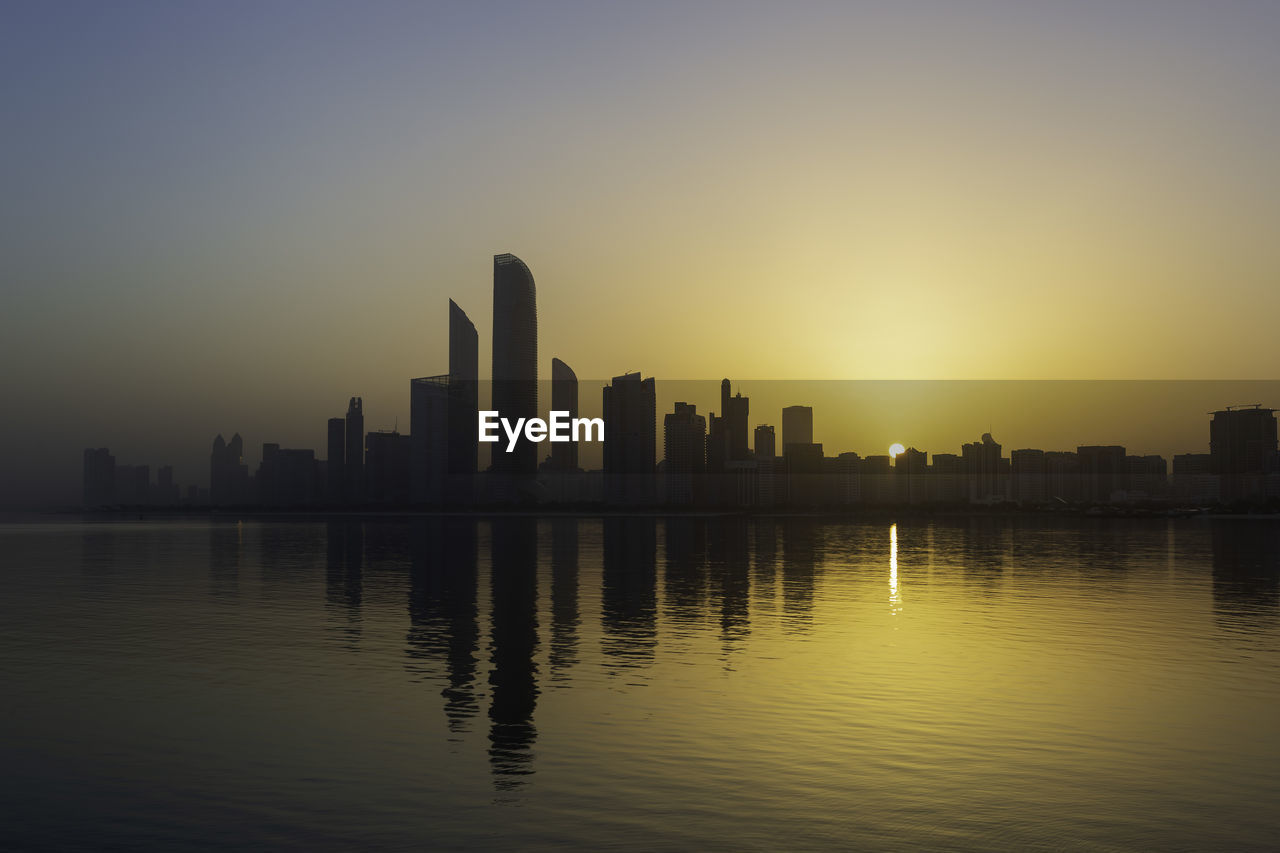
{"points": [[232, 216]]}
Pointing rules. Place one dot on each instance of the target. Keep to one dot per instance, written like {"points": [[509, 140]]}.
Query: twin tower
{"points": [[444, 409]]}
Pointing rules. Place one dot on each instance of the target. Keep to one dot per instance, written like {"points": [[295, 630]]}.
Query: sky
{"points": [[233, 216]]}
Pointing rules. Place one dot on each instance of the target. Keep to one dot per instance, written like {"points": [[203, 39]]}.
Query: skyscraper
{"points": [[733, 410], [337, 469], [982, 469], [464, 385], [765, 443], [515, 358], [99, 477], [228, 475], [355, 451], [684, 436], [1242, 448], [429, 437], [630, 426], [564, 398], [797, 426]]}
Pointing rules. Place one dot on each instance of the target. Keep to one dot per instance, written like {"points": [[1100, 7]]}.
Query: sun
{"points": [[895, 449]]}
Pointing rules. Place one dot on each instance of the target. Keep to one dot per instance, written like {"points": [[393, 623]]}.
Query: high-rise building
{"points": [[1030, 476], [1242, 450], [1194, 480], [515, 359], [797, 426], [734, 409], [464, 406], [228, 475], [1063, 482], [166, 489], [286, 477], [564, 398], [630, 426], [947, 476], [336, 469], [99, 477], [429, 438], [387, 467], [766, 446], [911, 476], [1146, 476], [983, 470], [684, 434], [354, 457], [1103, 471]]}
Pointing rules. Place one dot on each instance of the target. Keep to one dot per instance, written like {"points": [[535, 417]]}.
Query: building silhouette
{"points": [[429, 438], [765, 444], [630, 425], [1242, 450], [387, 468], [464, 404], [684, 434], [287, 477], [1194, 480], [982, 470], [336, 469], [99, 477], [515, 359], [166, 491], [564, 398], [354, 457], [911, 477], [1102, 471], [1029, 483], [228, 475], [797, 426]]}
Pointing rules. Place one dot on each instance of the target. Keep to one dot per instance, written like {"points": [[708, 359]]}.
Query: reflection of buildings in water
{"points": [[513, 642], [684, 578], [1103, 546], [800, 543], [344, 576], [1246, 574], [564, 597], [286, 554], [765, 560], [443, 613], [986, 544], [226, 545], [728, 569], [628, 598]]}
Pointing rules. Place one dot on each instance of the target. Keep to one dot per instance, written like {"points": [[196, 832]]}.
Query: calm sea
{"points": [[639, 683]]}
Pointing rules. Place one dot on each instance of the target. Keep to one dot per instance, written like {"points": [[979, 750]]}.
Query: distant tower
{"points": [[355, 451], [564, 398], [99, 477], [684, 438], [337, 469], [464, 389], [515, 358], [630, 436], [797, 426], [1242, 450], [765, 444], [228, 476]]}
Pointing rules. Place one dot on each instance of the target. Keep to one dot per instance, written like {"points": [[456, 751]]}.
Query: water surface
{"points": [[641, 683]]}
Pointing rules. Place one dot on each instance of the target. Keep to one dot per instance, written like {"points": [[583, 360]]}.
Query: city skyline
{"points": [[436, 462], [219, 221]]}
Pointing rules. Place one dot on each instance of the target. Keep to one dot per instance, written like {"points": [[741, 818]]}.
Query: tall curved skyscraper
{"points": [[564, 398], [515, 359]]}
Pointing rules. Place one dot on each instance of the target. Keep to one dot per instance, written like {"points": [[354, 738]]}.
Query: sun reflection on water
{"points": [[895, 600]]}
